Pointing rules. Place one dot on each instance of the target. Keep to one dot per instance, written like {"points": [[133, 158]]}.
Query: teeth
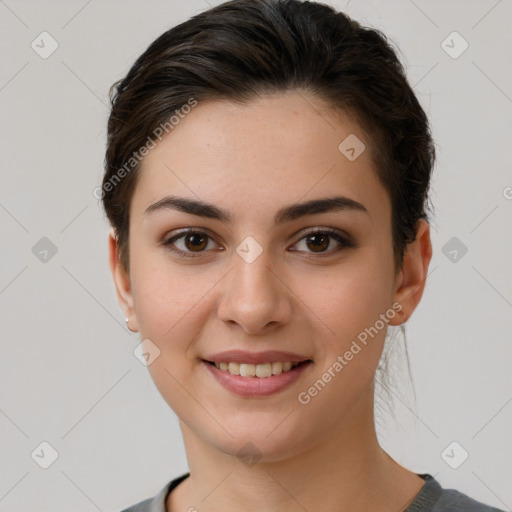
{"points": [[256, 370], [234, 368]]}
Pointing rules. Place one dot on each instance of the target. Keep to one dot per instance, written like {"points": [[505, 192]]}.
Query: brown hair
{"points": [[245, 48]]}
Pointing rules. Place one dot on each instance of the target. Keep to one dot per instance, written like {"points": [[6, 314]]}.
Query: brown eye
{"points": [[319, 241], [193, 243]]}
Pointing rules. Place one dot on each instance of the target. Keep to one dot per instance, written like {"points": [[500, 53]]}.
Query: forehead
{"points": [[252, 157]]}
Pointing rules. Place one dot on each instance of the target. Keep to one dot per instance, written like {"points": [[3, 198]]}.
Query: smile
{"points": [[256, 380], [256, 370]]}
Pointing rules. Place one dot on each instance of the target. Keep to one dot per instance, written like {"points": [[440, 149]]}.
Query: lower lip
{"points": [[256, 386]]}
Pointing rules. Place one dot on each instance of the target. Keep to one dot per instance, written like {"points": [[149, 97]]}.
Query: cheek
{"points": [[349, 299], [165, 294], [173, 305], [352, 306], [170, 305]]}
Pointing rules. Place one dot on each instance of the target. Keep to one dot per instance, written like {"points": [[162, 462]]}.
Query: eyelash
{"points": [[344, 241]]}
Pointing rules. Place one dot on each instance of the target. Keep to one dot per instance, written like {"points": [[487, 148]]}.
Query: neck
{"points": [[344, 470]]}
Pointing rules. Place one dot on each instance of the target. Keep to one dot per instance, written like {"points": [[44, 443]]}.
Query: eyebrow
{"points": [[285, 214]]}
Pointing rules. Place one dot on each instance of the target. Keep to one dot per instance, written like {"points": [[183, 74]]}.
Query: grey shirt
{"points": [[431, 498]]}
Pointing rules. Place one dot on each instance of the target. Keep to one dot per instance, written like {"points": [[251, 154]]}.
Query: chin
{"points": [[259, 441]]}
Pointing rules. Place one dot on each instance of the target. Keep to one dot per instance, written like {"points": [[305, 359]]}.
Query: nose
{"points": [[255, 296]]}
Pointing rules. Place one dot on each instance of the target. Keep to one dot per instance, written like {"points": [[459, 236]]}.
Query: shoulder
{"points": [[156, 503], [455, 501], [141, 506], [434, 498]]}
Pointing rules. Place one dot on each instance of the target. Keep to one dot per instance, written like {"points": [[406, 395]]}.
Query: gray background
{"points": [[67, 369]]}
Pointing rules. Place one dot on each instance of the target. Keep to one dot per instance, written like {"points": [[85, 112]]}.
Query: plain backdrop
{"points": [[68, 375]]}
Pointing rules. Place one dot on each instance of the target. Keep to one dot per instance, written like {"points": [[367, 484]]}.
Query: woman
{"points": [[267, 176]]}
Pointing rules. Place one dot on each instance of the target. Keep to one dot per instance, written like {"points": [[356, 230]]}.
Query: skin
{"points": [[252, 160]]}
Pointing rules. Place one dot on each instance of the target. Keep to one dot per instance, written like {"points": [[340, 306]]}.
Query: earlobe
{"points": [[122, 282], [412, 277]]}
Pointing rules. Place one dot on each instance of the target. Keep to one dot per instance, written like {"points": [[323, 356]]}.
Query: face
{"points": [[305, 289]]}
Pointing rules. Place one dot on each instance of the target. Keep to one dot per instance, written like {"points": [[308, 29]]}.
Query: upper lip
{"points": [[268, 356]]}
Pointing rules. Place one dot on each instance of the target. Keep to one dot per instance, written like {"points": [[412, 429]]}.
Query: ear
{"points": [[122, 282], [411, 279]]}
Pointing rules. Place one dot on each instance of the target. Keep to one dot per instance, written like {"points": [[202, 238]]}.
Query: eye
{"points": [[319, 241], [193, 244]]}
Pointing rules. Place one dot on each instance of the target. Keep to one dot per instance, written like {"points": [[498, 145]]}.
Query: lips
{"points": [[253, 387], [244, 357], [287, 367]]}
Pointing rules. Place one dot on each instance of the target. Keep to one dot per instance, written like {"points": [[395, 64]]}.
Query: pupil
{"points": [[316, 239], [195, 240]]}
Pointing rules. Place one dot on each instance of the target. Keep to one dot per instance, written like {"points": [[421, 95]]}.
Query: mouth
{"points": [[256, 380], [261, 371]]}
